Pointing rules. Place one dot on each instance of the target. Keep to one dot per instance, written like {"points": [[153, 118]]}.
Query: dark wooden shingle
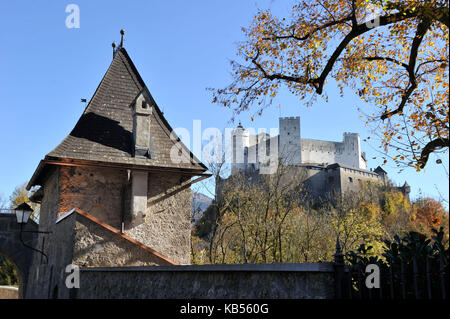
{"points": [[104, 131]]}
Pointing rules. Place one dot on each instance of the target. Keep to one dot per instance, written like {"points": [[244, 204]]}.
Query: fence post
{"points": [[338, 270], [442, 275], [416, 278], [402, 279], [391, 280], [428, 277]]}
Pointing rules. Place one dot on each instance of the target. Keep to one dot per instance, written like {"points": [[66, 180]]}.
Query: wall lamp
{"points": [[23, 213]]}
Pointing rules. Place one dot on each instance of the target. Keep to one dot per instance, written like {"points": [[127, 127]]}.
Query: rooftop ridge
{"points": [[104, 131]]}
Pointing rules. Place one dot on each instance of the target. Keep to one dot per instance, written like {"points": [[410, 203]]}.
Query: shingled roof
{"points": [[104, 132]]}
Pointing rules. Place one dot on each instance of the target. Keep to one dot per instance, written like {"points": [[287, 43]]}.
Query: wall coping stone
{"points": [[275, 267], [9, 288]]}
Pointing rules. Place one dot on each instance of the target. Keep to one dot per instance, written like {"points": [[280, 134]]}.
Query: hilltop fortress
{"points": [[327, 166]]}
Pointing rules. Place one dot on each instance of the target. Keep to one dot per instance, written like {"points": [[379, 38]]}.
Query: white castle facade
{"points": [[328, 167], [290, 149]]}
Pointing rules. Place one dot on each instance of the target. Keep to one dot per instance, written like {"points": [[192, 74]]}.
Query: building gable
{"points": [[104, 132]]}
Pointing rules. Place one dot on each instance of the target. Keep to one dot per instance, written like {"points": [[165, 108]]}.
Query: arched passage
{"points": [[10, 276], [11, 246]]}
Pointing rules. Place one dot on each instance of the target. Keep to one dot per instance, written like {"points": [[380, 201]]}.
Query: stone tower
{"points": [[240, 140], [112, 194], [290, 149], [352, 151]]}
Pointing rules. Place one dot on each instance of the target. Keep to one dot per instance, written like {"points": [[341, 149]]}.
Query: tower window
{"points": [[350, 180]]}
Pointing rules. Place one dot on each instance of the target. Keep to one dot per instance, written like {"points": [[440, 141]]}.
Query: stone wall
{"points": [[102, 192], [80, 241], [351, 179], [167, 222], [11, 246], [40, 271], [289, 281], [96, 246], [8, 292], [50, 201]]}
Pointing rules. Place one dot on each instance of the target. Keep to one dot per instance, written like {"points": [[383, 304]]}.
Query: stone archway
{"points": [[12, 247], [7, 290]]}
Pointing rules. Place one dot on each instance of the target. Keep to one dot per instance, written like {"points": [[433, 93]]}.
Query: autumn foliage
{"points": [[393, 54], [276, 221], [428, 214]]}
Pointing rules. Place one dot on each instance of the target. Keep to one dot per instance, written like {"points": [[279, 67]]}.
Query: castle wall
{"points": [[347, 152], [315, 182], [351, 179]]}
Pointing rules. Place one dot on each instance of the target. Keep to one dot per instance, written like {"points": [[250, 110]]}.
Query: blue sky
{"points": [[179, 47]]}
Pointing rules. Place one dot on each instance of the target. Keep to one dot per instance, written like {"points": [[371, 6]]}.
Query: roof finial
{"points": [[122, 32], [114, 48]]}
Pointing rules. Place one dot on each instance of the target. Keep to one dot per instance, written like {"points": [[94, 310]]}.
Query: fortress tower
{"points": [[240, 149], [352, 151], [290, 141]]}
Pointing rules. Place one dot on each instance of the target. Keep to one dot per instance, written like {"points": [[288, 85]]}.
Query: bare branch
{"points": [[422, 29], [430, 148]]}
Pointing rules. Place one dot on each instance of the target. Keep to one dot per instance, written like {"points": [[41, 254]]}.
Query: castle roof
{"points": [[380, 171], [337, 165], [104, 132]]}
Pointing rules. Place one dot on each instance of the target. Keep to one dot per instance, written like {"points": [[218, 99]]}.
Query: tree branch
{"points": [[356, 31], [430, 148], [306, 36], [422, 29], [380, 58]]}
